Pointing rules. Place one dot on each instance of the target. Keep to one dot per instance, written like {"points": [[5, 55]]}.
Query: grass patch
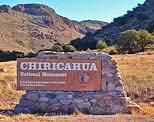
{"points": [[137, 75]]}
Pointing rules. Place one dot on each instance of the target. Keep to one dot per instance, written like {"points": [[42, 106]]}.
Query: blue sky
{"points": [[104, 10]]}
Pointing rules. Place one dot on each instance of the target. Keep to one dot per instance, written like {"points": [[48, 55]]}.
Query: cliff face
{"points": [[31, 27], [141, 17]]}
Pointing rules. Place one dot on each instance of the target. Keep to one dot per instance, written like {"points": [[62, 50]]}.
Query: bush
{"points": [[112, 50], [57, 48], [8, 56], [101, 45], [31, 54], [69, 48]]}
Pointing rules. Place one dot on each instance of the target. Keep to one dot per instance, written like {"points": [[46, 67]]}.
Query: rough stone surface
{"points": [[110, 100]]}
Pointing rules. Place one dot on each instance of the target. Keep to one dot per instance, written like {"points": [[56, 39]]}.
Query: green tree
{"points": [[132, 41], [128, 41], [101, 45], [69, 48], [146, 38], [57, 48]]}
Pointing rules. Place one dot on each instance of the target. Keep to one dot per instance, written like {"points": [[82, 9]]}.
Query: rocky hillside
{"points": [[31, 27], [141, 17]]}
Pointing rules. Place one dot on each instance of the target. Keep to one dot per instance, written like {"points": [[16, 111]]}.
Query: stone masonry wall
{"points": [[112, 99]]}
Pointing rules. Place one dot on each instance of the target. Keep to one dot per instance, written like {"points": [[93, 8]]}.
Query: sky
{"points": [[103, 10]]}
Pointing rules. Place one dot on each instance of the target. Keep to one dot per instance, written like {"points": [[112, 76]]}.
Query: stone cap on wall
{"points": [[73, 55]]}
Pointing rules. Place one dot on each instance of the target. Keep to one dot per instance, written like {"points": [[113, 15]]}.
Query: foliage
{"points": [[128, 41], [142, 16], [132, 41], [31, 54], [146, 38], [85, 43], [13, 55], [57, 48], [7, 55], [121, 20], [150, 27], [112, 50], [101, 44], [69, 48]]}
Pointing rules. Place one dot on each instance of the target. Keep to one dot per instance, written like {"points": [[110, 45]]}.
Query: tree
{"points": [[128, 41], [132, 41], [101, 45], [146, 38], [69, 48], [57, 48]]}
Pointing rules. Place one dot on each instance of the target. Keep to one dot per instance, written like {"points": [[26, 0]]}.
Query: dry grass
{"points": [[147, 109], [8, 91], [137, 73], [85, 118]]}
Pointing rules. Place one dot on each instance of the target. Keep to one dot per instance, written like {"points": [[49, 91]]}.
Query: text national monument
{"points": [[68, 82], [59, 74]]}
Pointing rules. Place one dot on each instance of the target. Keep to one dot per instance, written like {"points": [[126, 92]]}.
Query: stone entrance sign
{"points": [[58, 74], [99, 90]]}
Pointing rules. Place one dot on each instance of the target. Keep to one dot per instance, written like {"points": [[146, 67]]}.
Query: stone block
{"points": [[83, 105], [56, 107], [32, 97], [110, 87], [93, 100], [70, 96], [117, 108], [78, 101], [107, 98], [53, 101], [43, 99], [26, 103], [51, 95], [120, 88], [65, 101], [96, 111]]}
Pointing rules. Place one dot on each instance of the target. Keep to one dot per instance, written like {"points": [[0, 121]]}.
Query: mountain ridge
{"points": [[31, 27], [140, 17]]}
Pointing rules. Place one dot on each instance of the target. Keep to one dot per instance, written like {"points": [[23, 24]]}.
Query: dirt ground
{"points": [[79, 118]]}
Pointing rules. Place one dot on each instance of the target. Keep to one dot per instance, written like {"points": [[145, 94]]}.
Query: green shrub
{"points": [[57, 48], [101, 45], [112, 50], [69, 48]]}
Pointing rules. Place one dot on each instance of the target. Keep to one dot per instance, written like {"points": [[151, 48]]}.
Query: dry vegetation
{"points": [[137, 74], [8, 94]]}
